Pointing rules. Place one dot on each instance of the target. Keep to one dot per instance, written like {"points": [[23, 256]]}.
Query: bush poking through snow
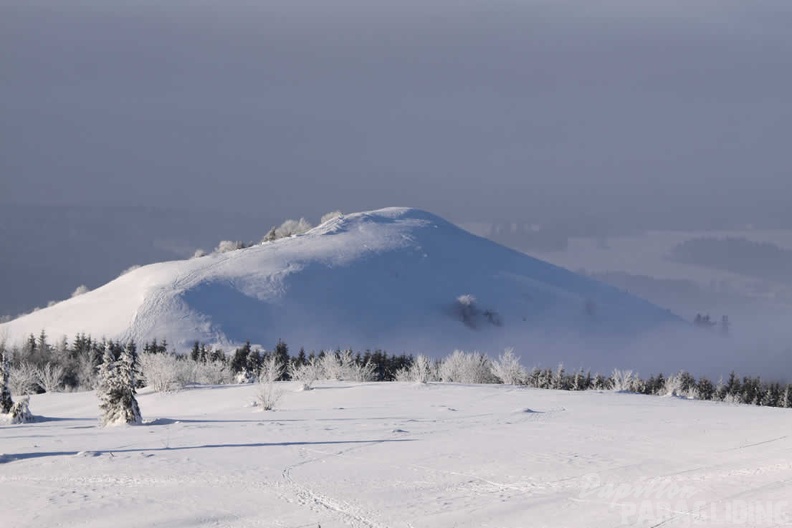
{"points": [[508, 370], [625, 381], [293, 227], [226, 246], [268, 391], [422, 370], [162, 372], [306, 374], [342, 366], [85, 372], [50, 377], [22, 379], [117, 388], [287, 229], [466, 367], [330, 216], [215, 372], [681, 385]]}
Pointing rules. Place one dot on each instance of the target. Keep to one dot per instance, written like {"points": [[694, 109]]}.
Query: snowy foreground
{"points": [[399, 455]]}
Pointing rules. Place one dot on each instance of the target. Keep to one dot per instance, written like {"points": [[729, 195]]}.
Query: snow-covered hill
{"points": [[389, 279]]}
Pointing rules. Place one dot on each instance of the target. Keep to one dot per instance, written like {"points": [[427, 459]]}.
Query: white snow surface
{"points": [[398, 455], [382, 279]]}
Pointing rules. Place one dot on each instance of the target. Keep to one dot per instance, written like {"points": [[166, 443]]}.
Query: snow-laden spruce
{"points": [[5, 392], [116, 388], [10, 411]]}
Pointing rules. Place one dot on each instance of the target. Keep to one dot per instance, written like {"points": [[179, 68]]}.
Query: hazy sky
{"points": [[654, 108]]}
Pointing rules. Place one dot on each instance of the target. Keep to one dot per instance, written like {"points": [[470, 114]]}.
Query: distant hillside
{"points": [[400, 279], [738, 255]]}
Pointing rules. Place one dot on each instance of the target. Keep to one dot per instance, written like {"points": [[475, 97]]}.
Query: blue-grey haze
{"points": [[575, 113]]}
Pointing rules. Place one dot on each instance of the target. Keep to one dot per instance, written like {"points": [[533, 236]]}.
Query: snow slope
{"points": [[399, 456], [382, 279]]}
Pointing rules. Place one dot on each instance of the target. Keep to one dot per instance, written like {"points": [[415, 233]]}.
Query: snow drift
{"points": [[400, 279]]}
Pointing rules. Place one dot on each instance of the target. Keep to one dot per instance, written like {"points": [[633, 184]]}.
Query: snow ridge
{"points": [[390, 278]]}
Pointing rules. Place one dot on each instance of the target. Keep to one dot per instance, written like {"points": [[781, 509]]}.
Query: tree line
{"points": [[116, 370]]}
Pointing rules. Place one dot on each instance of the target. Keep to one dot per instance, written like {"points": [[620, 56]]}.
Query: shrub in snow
{"points": [[293, 227], [466, 367], [268, 390], [625, 381], [306, 374], [20, 411], [342, 366], [50, 377], [330, 216], [22, 379], [117, 388], [82, 289], [199, 253], [331, 367], [229, 245], [85, 372], [287, 229], [215, 372], [422, 370], [271, 235], [163, 372], [507, 368], [682, 385]]}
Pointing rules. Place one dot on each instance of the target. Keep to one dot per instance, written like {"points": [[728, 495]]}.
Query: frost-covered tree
{"points": [[625, 381], [229, 245], [466, 367], [507, 368], [6, 403], [162, 372], [50, 377], [422, 370], [305, 372], [293, 227], [117, 387], [269, 392], [330, 216], [271, 235], [22, 379], [343, 366], [288, 228]]}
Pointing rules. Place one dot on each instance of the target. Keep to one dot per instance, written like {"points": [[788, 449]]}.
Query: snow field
{"points": [[397, 455]]}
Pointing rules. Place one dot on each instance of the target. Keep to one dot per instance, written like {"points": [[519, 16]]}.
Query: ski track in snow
{"points": [[351, 515]]}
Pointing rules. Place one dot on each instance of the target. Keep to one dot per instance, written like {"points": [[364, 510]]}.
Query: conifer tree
{"points": [[6, 403], [117, 387]]}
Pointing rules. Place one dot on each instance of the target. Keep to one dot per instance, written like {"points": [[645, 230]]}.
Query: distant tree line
{"points": [[85, 364]]}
